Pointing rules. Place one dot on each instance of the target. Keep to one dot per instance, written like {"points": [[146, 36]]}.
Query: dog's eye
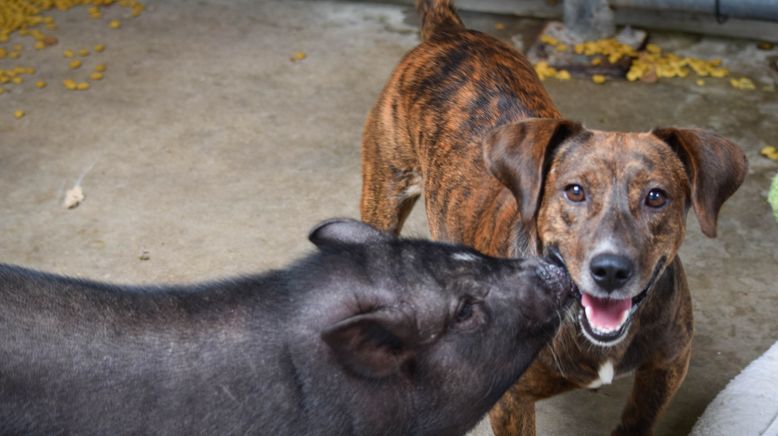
{"points": [[575, 193], [656, 198]]}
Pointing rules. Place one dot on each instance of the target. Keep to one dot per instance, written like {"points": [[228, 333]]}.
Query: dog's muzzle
{"points": [[606, 321]]}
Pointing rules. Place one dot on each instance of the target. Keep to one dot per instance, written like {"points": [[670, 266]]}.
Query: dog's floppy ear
{"points": [[716, 168], [374, 344], [345, 231], [518, 156]]}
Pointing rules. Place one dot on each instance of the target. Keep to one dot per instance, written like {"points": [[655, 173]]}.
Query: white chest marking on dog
{"points": [[411, 191], [467, 257], [605, 376]]}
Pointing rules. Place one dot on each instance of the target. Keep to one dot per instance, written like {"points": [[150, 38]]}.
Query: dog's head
{"points": [[612, 206]]}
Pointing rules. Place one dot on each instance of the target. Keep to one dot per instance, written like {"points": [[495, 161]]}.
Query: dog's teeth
{"points": [[624, 316], [608, 330]]}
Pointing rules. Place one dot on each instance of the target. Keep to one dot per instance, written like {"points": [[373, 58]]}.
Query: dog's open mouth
{"points": [[605, 321]]}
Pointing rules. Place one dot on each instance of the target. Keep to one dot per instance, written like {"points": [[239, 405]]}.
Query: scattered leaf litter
{"points": [[33, 19], [557, 51]]}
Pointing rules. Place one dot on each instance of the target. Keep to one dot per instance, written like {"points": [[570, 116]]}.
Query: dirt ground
{"points": [[207, 152]]}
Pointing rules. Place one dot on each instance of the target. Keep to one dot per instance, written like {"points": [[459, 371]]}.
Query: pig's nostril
{"points": [[555, 280]]}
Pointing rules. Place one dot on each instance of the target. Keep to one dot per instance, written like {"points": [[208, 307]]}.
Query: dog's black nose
{"points": [[611, 271]]}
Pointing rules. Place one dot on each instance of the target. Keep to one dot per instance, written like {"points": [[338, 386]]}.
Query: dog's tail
{"points": [[437, 15]]}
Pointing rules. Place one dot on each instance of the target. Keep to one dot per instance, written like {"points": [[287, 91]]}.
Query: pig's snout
{"points": [[545, 292], [556, 281]]}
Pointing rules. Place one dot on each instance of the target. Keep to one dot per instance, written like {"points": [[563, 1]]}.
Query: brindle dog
{"points": [[465, 120]]}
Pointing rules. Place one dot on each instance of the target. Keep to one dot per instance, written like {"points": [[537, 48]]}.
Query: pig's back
{"points": [[101, 359]]}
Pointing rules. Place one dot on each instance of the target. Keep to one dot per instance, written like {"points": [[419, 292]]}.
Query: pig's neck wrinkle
{"points": [[289, 366]]}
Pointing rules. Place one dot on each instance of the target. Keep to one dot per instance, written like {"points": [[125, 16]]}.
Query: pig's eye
{"points": [[470, 314], [465, 310]]}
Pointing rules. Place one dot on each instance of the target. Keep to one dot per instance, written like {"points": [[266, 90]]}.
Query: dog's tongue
{"points": [[605, 313]]}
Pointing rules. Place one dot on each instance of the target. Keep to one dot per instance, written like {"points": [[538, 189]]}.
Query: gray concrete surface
{"points": [[214, 153]]}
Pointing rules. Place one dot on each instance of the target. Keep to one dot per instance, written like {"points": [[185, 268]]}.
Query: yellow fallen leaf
{"points": [[768, 151], [743, 83], [550, 40]]}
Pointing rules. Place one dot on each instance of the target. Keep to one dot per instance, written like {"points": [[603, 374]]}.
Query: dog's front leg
{"points": [[653, 389], [513, 416]]}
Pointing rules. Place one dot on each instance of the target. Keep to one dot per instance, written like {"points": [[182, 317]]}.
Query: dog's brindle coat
{"points": [[465, 120]]}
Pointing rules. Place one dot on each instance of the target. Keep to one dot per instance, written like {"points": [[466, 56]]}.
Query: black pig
{"points": [[370, 335]]}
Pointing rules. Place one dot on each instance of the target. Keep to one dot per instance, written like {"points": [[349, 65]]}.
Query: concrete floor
{"points": [[213, 153]]}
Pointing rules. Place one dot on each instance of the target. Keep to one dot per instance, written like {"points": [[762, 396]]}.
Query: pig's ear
{"points": [[345, 231], [375, 344], [716, 169]]}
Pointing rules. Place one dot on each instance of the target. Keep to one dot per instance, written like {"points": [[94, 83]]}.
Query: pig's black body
{"points": [[369, 335]]}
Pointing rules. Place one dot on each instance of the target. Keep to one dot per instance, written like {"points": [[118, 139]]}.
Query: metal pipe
{"points": [[679, 15], [763, 10]]}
